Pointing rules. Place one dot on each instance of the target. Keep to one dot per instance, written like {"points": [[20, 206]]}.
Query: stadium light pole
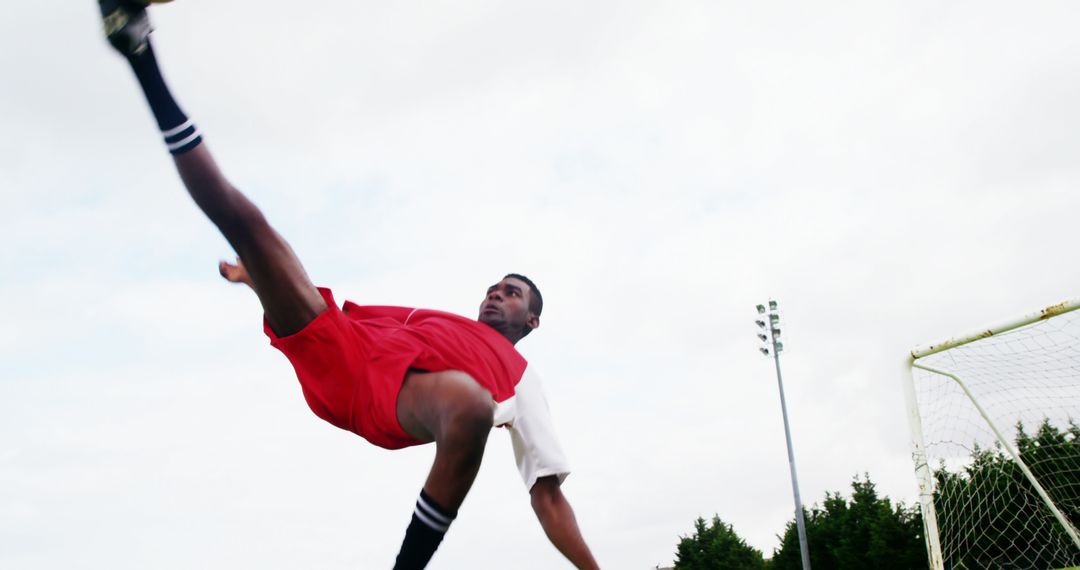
{"points": [[768, 323]]}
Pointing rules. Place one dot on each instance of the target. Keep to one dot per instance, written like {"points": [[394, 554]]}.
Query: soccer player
{"points": [[395, 376]]}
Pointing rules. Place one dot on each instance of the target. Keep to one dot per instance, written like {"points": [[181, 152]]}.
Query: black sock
{"points": [[181, 135], [426, 530]]}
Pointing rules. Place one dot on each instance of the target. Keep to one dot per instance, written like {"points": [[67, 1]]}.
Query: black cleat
{"points": [[126, 25]]}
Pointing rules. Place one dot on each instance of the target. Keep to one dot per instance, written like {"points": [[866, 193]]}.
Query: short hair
{"points": [[536, 300]]}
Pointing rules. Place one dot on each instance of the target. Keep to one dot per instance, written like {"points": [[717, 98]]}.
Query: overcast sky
{"points": [[892, 173]]}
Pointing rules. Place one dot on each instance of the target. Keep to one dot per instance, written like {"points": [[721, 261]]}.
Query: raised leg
{"points": [[287, 295]]}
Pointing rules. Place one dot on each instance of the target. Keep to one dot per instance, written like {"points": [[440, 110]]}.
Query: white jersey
{"points": [[532, 433]]}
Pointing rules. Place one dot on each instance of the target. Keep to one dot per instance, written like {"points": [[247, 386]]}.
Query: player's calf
{"points": [[455, 411], [457, 461], [287, 295], [127, 28], [428, 526]]}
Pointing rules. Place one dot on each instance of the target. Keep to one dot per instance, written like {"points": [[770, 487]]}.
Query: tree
{"points": [[716, 546], [866, 532], [1012, 518], [869, 531]]}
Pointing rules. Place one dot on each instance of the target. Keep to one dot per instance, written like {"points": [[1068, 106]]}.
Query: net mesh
{"points": [[989, 514]]}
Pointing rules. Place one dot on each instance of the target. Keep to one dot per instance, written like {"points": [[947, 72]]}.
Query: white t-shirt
{"points": [[532, 433]]}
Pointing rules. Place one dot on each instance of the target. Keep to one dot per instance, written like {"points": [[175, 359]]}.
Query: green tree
{"points": [[867, 531], [1009, 526], [716, 546]]}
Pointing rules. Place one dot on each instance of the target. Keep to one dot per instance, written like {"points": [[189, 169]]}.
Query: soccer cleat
{"points": [[126, 25]]}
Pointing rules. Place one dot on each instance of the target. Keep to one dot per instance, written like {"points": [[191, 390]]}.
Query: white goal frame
{"points": [[923, 472]]}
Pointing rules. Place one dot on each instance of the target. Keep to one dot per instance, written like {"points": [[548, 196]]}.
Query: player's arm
{"points": [[543, 467], [557, 517]]}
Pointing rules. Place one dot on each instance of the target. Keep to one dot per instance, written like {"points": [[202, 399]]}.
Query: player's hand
{"points": [[235, 273]]}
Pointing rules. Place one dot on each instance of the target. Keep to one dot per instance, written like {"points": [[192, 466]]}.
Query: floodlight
{"points": [[772, 310]]}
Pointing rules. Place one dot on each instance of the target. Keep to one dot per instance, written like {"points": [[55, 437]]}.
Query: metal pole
{"points": [[799, 522]]}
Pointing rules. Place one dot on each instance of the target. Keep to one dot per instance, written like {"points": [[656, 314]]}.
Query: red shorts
{"points": [[351, 375]]}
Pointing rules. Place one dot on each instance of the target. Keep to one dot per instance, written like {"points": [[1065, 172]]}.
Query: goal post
{"points": [[922, 471], [992, 494]]}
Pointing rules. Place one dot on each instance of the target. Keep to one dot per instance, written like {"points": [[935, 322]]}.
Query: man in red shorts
{"points": [[395, 376]]}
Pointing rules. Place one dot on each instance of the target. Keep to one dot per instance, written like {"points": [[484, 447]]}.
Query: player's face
{"points": [[506, 307]]}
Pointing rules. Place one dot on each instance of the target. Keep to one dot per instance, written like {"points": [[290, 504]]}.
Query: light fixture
{"points": [[772, 348]]}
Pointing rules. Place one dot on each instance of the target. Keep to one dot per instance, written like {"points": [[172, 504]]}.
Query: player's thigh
{"points": [[286, 293], [431, 403], [289, 298]]}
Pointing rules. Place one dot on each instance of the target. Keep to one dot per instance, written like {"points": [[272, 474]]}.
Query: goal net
{"points": [[995, 421]]}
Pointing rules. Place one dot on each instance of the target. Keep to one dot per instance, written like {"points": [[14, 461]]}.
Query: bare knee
{"points": [[447, 407], [469, 415], [471, 420]]}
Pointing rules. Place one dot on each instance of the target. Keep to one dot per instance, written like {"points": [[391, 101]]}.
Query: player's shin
{"points": [[180, 133], [429, 524], [127, 27]]}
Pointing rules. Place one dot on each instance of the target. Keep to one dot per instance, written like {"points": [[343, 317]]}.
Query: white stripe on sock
{"points": [[177, 130], [432, 512], [180, 143], [424, 518]]}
